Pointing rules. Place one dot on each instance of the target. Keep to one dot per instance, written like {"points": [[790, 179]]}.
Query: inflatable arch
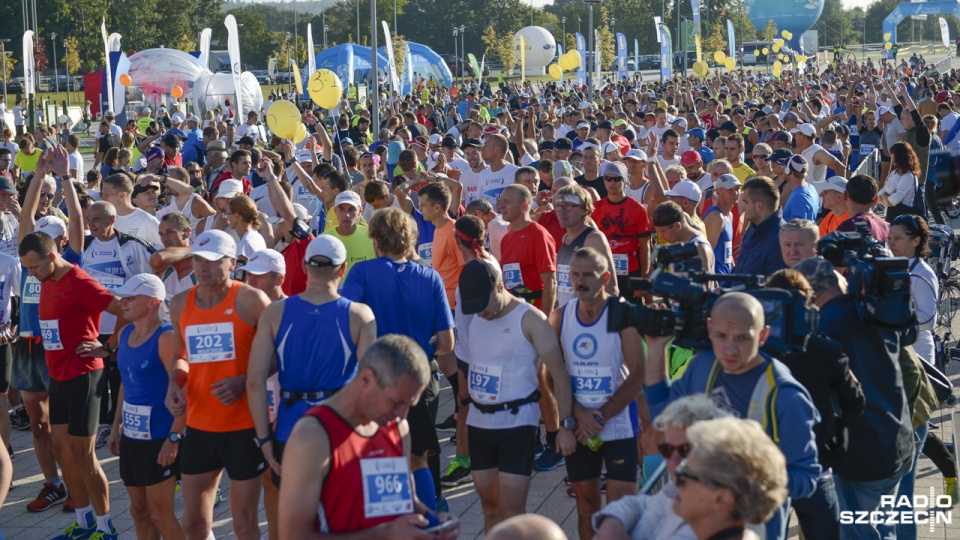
{"points": [[907, 9]]}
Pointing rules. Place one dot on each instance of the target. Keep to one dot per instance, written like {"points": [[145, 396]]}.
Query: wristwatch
{"points": [[569, 423], [260, 442], [174, 437], [107, 349]]}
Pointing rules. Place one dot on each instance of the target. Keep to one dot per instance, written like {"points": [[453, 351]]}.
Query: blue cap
{"points": [[697, 132], [393, 151]]}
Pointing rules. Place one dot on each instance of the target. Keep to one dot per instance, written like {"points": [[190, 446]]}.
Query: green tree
{"points": [[400, 49], [71, 57], [11, 65], [607, 43], [770, 32], [716, 41]]}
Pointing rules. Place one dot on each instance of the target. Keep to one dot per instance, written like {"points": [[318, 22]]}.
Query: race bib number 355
{"points": [[210, 343], [386, 487]]}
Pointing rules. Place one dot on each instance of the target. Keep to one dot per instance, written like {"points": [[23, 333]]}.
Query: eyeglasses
{"points": [[667, 450], [613, 179]]}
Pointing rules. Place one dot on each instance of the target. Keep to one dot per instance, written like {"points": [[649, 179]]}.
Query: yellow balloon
{"points": [[779, 42], [555, 71], [718, 57], [573, 60], [756, 52], [765, 50], [886, 36], [887, 45], [802, 59], [301, 134], [777, 65], [787, 34], [776, 73], [325, 88], [776, 47], [730, 63], [700, 68], [283, 119]]}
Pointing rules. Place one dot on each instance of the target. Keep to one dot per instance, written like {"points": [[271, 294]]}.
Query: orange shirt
{"points": [[447, 259], [830, 222], [218, 344]]}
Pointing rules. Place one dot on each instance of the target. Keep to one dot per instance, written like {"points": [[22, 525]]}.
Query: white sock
{"points": [[57, 483], [85, 516], [104, 523], [210, 536]]}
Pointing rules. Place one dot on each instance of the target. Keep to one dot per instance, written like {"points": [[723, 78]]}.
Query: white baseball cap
{"points": [[142, 284], [229, 189], [582, 125], [52, 226], [348, 197], [435, 139], [636, 154], [884, 110], [834, 183], [214, 245], [304, 155], [608, 147], [727, 181], [687, 189], [326, 246], [267, 260], [806, 129]]}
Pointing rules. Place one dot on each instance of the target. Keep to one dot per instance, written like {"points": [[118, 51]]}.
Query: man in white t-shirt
{"points": [[117, 189], [74, 157], [251, 128], [18, 117], [498, 174], [448, 146]]}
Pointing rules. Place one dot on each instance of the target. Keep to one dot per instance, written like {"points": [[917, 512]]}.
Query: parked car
{"points": [[631, 65], [678, 59], [14, 86], [458, 66], [262, 76], [649, 61]]}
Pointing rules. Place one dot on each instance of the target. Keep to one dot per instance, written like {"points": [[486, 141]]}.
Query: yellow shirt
{"points": [[743, 172], [359, 245], [27, 164]]}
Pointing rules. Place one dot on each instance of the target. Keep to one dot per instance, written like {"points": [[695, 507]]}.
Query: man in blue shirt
{"points": [[760, 245], [803, 202], [409, 299], [748, 384]]}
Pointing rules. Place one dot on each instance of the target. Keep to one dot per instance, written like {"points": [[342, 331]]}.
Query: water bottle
{"points": [[594, 443]]}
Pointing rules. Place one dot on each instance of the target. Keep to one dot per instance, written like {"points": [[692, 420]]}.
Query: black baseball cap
{"points": [[563, 143], [606, 124], [545, 145], [246, 139], [475, 143], [449, 142], [781, 156], [728, 126], [478, 280], [140, 188]]}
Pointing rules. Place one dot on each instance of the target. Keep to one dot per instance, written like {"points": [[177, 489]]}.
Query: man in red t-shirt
{"points": [[71, 303], [292, 227], [626, 225]]}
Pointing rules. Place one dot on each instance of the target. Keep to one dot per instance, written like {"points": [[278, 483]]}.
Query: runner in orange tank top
{"points": [[215, 322]]}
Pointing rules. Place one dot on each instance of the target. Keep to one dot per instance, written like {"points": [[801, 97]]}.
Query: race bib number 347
{"points": [[210, 343]]}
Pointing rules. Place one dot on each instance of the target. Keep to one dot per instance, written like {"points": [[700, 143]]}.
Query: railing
{"points": [[655, 481], [944, 65], [870, 165]]}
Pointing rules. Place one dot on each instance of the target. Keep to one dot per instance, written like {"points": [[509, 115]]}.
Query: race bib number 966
{"points": [[386, 487]]}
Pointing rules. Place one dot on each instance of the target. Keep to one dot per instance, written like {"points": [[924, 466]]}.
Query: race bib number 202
{"points": [[210, 343]]}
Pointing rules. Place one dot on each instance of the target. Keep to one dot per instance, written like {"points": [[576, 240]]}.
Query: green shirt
{"points": [[359, 245]]}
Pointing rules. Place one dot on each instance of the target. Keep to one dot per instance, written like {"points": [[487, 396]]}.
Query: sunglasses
{"points": [[761, 156], [667, 450], [684, 474], [46, 196], [613, 179]]}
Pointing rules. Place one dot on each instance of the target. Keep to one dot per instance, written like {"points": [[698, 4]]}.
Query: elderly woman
{"points": [[651, 517], [734, 475]]}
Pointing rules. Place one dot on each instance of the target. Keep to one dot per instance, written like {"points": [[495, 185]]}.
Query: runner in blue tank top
{"points": [[312, 340], [145, 435]]}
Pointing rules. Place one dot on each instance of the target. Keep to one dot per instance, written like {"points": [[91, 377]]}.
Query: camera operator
{"points": [[759, 255], [869, 470], [798, 241], [673, 225], [861, 197], [824, 371], [910, 237], [747, 383]]}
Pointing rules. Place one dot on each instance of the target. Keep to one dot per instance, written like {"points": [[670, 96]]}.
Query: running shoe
{"points": [[103, 434], [549, 460], [450, 424], [442, 505], [100, 535], [76, 532], [950, 490], [456, 474], [20, 420], [538, 449], [68, 505], [49, 495], [217, 500], [453, 439]]}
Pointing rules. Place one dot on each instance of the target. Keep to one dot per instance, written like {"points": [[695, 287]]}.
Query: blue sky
{"points": [[846, 3]]}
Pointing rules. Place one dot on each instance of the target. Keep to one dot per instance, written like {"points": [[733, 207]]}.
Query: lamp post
{"points": [[66, 63], [591, 49], [375, 76], [358, 21], [456, 55], [3, 54], [395, 18], [463, 51], [578, 25], [325, 28], [563, 39], [531, 12], [289, 74], [56, 74]]}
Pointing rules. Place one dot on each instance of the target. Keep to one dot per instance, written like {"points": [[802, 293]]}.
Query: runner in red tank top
{"points": [[352, 454]]}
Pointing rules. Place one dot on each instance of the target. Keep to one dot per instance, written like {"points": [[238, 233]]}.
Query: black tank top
{"points": [[564, 256]]}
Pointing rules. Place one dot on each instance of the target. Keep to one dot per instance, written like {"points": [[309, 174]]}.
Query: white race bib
{"points": [[50, 333], [273, 395], [386, 487], [210, 343], [564, 285], [426, 252], [31, 291], [621, 263], [592, 386], [512, 278], [485, 382], [136, 421]]}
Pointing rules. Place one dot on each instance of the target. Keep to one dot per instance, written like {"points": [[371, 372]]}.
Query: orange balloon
{"points": [[125, 80], [176, 92], [454, 91]]}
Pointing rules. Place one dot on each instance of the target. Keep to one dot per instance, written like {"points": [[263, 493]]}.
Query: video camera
{"points": [[791, 318], [879, 280]]}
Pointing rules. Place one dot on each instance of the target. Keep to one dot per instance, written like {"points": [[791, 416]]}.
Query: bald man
{"points": [[749, 384], [527, 527]]}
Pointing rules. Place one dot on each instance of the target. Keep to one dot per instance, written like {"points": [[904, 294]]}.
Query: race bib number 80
{"points": [[210, 343], [386, 487]]}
